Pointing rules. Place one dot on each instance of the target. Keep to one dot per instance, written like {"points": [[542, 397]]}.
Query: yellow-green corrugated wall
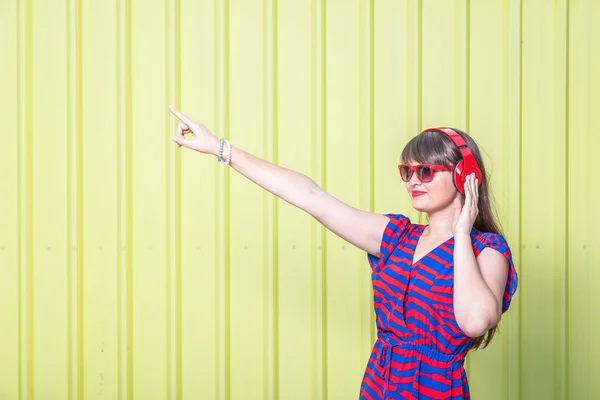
{"points": [[131, 269]]}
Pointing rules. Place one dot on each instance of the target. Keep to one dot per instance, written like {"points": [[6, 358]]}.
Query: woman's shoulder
{"points": [[495, 240], [398, 218], [401, 220], [397, 226]]}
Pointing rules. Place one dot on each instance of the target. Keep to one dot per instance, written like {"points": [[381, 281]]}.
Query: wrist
{"points": [[462, 236], [215, 147], [224, 151]]}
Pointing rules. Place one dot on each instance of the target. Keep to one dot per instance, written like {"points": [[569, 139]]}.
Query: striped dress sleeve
{"points": [[395, 229]]}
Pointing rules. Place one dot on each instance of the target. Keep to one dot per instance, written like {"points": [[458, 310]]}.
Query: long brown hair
{"points": [[433, 147]]}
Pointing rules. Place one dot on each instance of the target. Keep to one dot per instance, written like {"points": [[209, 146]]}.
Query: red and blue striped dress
{"points": [[420, 350]]}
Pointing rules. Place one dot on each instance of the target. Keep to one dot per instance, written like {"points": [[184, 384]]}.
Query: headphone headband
{"points": [[452, 134]]}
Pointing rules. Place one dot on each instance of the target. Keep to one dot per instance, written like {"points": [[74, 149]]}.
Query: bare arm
{"points": [[478, 287], [478, 282], [360, 228]]}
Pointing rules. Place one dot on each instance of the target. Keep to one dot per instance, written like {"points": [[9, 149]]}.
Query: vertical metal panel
{"points": [[100, 250], [443, 63], [10, 199], [75, 206], [513, 28], [298, 134], [148, 185], [173, 208], [495, 121], [488, 113], [543, 212], [25, 196], [50, 219], [346, 88], [222, 220], [202, 319], [132, 269], [246, 250], [583, 307], [397, 94], [124, 201]]}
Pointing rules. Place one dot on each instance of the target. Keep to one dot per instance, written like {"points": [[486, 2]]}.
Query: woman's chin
{"points": [[424, 205], [419, 206]]}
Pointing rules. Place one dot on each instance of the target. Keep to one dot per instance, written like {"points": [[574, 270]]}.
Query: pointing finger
{"points": [[180, 115], [183, 124]]}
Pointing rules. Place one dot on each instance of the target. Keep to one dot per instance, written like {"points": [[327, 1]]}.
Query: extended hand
{"points": [[464, 216], [203, 140]]}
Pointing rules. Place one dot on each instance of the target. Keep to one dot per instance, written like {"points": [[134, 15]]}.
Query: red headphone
{"points": [[464, 167]]}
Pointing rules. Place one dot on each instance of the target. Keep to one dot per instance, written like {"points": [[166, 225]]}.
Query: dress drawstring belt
{"points": [[388, 342]]}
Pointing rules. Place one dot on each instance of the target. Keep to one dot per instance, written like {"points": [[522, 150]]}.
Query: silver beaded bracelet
{"points": [[228, 161], [220, 155]]}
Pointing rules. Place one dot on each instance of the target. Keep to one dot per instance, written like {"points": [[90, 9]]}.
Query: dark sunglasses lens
{"points": [[405, 173], [424, 173]]}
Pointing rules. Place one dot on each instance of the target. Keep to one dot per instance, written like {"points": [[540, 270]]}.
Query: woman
{"points": [[439, 289]]}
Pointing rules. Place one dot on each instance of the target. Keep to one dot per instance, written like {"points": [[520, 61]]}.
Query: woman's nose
{"points": [[414, 180]]}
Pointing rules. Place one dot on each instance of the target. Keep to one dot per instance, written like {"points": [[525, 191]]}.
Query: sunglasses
{"points": [[425, 172]]}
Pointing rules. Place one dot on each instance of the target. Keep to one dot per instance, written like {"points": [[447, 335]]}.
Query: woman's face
{"points": [[433, 196]]}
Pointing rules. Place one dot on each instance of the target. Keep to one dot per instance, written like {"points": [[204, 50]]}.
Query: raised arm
{"points": [[360, 228]]}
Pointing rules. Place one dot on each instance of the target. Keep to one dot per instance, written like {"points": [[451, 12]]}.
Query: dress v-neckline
{"points": [[418, 234]]}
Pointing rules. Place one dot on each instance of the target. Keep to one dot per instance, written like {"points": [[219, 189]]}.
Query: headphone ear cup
{"points": [[478, 176], [457, 177], [468, 169]]}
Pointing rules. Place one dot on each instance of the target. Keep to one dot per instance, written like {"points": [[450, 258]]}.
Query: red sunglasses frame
{"points": [[413, 168]]}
